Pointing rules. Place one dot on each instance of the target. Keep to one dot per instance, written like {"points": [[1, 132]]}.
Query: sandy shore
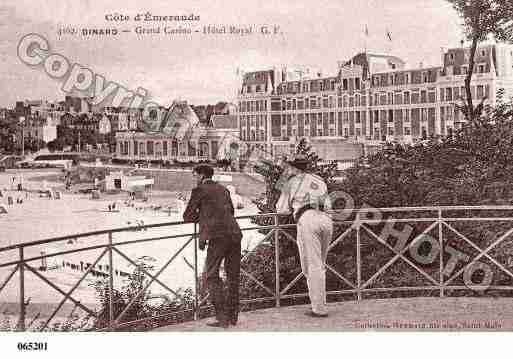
{"points": [[39, 218]]}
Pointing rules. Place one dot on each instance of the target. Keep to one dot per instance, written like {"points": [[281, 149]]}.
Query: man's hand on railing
{"points": [[202, 244]]}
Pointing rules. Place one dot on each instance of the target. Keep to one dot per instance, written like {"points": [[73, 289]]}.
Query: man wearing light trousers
{"points": [[305, 195]]}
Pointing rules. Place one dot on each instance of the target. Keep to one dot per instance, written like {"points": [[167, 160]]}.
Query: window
{"points": [[423, 96], [406, 98], [480, 91], [407, 131], [481, 69], [358, 132], [423, 114], [390, 131], [398, 99], [406, 116], [448, 94], [357, 83]]}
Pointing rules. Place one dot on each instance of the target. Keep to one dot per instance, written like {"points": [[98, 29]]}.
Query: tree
{"points": [[482, 18]]}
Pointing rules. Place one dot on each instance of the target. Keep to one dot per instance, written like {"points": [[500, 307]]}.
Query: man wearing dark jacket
{"points": [[210, 205]]}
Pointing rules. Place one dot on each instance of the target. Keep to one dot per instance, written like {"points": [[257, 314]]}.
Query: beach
{"points": [[40, 218]]}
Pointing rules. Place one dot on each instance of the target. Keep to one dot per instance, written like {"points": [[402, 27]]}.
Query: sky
{"points": [[202, 69]]}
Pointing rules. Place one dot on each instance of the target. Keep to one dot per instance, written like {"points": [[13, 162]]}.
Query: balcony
{"points": [[353, 276]]}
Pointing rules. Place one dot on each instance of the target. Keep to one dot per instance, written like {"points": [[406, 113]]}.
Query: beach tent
{"points": [[3, 210], [95, 194]]}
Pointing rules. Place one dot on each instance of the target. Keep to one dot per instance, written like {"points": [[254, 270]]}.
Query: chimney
{"points": [[421, 65], [443, 51]]}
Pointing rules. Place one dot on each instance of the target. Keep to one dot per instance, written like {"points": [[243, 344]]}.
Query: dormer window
{"points": [[483, 53], [451, 56]]}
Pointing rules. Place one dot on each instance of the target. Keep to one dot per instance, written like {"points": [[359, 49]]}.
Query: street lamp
{"points": [[22, 122]]}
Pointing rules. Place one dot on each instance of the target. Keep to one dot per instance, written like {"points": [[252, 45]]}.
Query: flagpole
{"points": [[389, 37], [366, 35]]}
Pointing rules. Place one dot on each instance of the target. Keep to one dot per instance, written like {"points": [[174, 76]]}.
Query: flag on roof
{"points": [[389, 35]]}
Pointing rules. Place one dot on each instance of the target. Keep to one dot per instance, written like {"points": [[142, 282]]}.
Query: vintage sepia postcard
{"points": [[234, 166]]}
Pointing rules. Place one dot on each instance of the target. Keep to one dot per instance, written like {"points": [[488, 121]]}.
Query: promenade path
{"points": [[381, 314]]}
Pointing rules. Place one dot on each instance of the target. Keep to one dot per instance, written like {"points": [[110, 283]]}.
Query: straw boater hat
{"points": [[298, 161]]}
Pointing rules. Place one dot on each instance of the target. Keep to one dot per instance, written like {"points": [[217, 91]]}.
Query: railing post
{"points": [[111, 285], [196, 280], [358, 257], [21, 266], [277, 260], [440, 238]]}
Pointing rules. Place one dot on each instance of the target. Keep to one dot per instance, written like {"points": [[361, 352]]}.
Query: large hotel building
{"points": [[372, 99]]}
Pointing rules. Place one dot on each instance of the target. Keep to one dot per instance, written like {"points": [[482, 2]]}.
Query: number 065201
{"points": [[33, 346]]}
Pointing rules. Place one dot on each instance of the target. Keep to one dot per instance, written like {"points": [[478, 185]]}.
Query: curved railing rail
{"points": [[436, 225]]}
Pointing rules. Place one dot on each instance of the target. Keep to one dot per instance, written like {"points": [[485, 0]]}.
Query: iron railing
{"points": [[354, 225]]}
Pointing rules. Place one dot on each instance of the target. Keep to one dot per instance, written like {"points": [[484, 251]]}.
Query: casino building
{"points": [[372, 99], [177, 134]]}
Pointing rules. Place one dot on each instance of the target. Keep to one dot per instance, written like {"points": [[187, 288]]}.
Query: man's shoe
{"points": [[316, 315], [218, 324]]}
